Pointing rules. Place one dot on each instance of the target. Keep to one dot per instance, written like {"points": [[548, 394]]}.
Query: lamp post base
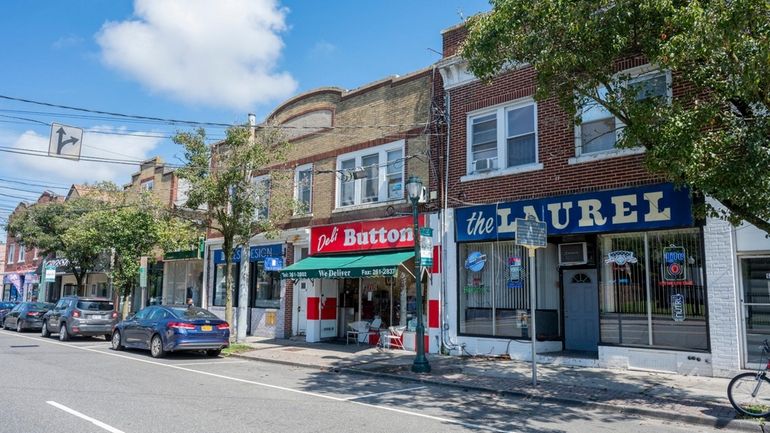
{"points": [[421, 365]]}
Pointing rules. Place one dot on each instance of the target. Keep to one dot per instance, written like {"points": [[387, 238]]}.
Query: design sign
{"points": [[641, 208], [677, 307], [363, 235], [674, 266], [620, 258], [475, 261]]}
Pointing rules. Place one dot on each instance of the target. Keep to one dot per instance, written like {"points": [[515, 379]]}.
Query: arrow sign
{"points": [[66, 141]]}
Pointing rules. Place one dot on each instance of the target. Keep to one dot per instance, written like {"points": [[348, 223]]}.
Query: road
{"points": [[84, 386]]}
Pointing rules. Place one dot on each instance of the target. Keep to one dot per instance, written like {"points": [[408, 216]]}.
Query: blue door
{"points": [[581, 310]]}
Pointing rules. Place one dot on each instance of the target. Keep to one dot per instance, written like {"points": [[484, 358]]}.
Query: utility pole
{"points": [[243, 287]]}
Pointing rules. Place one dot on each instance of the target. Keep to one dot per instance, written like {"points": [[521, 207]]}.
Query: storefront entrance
{"points": [[581, 310], [755, 279]]}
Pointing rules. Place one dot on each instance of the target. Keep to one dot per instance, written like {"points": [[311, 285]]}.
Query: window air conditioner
{"points": [[486, 164], [575, 253]]}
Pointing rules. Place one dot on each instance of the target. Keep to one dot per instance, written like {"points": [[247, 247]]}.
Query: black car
{"points": [[5, 307], [27, 315], [74, 316]]}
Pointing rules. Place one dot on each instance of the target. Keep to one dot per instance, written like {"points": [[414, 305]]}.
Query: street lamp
{"points": [[414, 190]]}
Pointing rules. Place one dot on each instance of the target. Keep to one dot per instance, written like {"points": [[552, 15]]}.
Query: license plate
{"points": [[206, 328]]}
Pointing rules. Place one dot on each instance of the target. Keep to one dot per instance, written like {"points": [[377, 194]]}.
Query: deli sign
{"points": [[363, 236]]}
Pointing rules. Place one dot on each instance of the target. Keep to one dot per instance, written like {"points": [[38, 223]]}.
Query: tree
{"points": [[130, 229], [714, 138], [45, 226], [221, 179]]}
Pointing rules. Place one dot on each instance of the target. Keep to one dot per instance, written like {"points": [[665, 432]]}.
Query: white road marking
{"points": [[280, 388], [395, 391], [93, 421], [211, 362]]}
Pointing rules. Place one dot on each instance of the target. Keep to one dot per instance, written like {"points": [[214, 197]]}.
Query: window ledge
{"points": [[598, 156], [376, 204], [504, 172], [302, 216]]}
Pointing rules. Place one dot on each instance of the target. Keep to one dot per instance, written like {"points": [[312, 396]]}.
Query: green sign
{"points": [[50, 274], [181, 255], [426, 246]]}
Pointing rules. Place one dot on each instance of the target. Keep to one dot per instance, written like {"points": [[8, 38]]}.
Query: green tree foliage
{"points": [[714, 137], [222, 187], [49, 228]]}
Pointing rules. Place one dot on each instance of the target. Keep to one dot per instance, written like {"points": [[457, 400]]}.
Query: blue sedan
{"points": [[167, 328]]}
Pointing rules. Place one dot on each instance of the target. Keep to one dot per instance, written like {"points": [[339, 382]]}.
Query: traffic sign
{"points": [[531, 233], [65, 142]]}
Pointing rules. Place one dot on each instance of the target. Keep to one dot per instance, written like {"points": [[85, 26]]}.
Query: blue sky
{"points": [[200, 60]]}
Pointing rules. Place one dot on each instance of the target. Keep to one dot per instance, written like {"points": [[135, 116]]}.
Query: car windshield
{"points": [[191, 313], [39, 306], [96, 305]]}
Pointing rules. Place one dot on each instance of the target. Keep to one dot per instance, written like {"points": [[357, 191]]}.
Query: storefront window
{"points": [[219, 284], [653, 291], [493, 289], [755, 273], [265, 288]]}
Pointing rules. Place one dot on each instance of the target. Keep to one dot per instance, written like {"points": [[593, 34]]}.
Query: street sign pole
{"points": [[531, 234], [532, 295]]}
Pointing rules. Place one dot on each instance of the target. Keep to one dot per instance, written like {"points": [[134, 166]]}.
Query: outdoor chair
{"points": [[359, 331], [392, 338]]}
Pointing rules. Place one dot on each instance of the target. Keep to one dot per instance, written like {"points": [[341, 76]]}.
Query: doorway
{"points": [[581, 310]]}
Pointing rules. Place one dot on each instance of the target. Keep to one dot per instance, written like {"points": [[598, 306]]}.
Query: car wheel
{"points": [[213, 352], [18, 325], [44, 332], [63, 334], [115, 340], [156, 347]]}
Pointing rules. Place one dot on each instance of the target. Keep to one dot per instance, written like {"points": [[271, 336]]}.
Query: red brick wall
{"points": [[452, 39]]}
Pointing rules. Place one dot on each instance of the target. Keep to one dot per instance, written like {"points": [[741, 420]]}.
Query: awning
{"points": [[369, 265]]}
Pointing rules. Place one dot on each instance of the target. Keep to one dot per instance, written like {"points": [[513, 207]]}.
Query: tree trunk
{"points": [[227, 250]]}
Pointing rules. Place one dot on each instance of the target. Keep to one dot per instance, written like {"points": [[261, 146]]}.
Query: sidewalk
{"points": [[687, 399]]}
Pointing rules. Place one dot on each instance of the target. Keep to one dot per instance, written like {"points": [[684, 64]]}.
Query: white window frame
{"points": [[640, 73], [501, 112], [382, 196], [255, 180], [297, 171], [35, 255], [147, 185], [22, 253], [11, 253]]}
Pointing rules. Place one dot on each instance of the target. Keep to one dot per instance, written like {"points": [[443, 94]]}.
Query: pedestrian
{"points": [[190, 303]]}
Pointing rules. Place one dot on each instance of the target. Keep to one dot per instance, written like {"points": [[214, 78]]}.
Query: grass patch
{"points": [[236, 348]]}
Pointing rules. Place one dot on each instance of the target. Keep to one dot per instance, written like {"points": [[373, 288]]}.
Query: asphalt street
{"points": [[84, 386]]}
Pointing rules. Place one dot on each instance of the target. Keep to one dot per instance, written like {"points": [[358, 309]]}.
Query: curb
{"points": [[705, 420]]}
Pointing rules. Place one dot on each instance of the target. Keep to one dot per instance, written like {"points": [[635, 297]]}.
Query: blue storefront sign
{"points": [[256, 253], [642, 208]]}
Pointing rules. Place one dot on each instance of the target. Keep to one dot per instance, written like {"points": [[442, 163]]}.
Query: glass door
{"points": [[755, 278]]}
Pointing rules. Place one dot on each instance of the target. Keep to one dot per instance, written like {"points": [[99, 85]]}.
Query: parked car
{"points": [[5, 307], [75, 316], [27, 315], [167, 328]]}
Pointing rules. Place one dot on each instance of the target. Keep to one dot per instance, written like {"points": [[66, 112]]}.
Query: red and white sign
{"points": [[363, 236]]}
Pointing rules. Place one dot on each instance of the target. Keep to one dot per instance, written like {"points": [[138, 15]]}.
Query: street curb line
{"points": [[707, 421]]}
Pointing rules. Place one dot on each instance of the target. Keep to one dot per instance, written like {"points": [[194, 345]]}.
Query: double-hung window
{"points": [[22, 252], [262, 194], [372, 175], [599, 131], [11, 253], [147, 185], [504, 138], [303, 189]]}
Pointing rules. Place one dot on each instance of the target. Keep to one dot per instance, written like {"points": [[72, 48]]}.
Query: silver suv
{"points": [[76, 316]]}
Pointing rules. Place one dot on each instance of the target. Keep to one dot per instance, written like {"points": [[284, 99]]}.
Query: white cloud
{"points": [[322, 49], [67, 42], [219, 53], [134, 147]]}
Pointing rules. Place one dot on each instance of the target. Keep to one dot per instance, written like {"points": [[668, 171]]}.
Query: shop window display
{"points": [[653, 291]]}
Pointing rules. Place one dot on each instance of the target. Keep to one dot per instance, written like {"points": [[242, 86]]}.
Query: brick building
{"points": [[173, 276], [21, 275], [628, 278], [351, 153]]}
